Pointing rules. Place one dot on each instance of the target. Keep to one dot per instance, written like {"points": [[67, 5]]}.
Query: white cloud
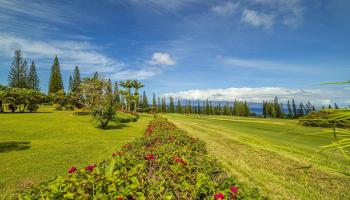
{"points": [[259, 94], [226, 8], [256, 19], [71, 53], [160, 58]]}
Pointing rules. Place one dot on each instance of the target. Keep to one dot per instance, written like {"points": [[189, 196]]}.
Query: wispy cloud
{"points": [[257, 19], [72, 53], [226, 8], [258, 94]]}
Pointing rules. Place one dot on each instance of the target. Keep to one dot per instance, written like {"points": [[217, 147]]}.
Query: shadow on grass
{"points": [[6, 147], [25, 112], [118, 126]]}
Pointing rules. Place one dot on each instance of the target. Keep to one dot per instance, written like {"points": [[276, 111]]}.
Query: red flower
{"points": [[180, 160], [120, 153], [72, 170], [219, 196], [234, 190], [90, 167], [119, 198], [150, 157]]}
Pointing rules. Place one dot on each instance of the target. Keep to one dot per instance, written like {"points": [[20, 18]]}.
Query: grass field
{"points": [[35, 147], [277, 156]]}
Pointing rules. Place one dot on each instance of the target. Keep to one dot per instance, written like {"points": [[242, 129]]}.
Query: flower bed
{"points": [[164, 164]]}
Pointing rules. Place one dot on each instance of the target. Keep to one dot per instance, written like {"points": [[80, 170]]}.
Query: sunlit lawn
{"points": [[278, 156], [35, 147]]}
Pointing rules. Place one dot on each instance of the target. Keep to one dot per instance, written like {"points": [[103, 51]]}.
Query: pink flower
{"points": [[72, 170], [219, 196], [234, 190], [90, 167]]}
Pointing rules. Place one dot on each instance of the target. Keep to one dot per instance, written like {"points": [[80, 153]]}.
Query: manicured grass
{"points": [[277, 156], [35, 147]]}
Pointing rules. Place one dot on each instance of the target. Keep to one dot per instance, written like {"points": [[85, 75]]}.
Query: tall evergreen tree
{"points": [[336, 106], [18, 73], [144, 100], [70, 85], [164, 105], [154, 102], [198, 108], [301, 109], [171, 105], [295, 113], [179, 107], [290, 111], [159, 105], [55, 83], [76, 80], [33, 79]]}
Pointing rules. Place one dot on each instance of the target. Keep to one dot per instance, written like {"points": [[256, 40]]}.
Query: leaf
{"points": [[109, 169], [69, 196]]}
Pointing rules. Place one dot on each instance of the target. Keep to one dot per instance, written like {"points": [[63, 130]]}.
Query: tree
{"points": [[99, 98], [116, 93], [76, 80], [55, 83], [136, 85], [295, 113], [290, 111], [127, 93], [171, 105], [164, 105], [32, 79], [154, 103], [70, 85], [179, 107], [144, 101], [18, 72], [301, 109], [336, 106]]}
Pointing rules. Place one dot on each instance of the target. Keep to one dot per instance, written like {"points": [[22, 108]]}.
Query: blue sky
{"points": [[245, 49]]}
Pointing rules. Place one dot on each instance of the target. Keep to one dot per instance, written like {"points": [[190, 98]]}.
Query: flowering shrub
{"points": [[164, 164]]}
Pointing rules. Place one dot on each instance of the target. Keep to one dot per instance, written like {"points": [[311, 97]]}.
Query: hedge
{"points": [[165, 163]]}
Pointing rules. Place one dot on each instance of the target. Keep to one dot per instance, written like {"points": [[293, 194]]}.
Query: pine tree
{"points": [[18, 73], [171, 105], [144, 100], [55, 83], [164, 105], [76, 80], [154, 103], [295, 114], [178, 107], [290, 111], [70, 85], [301, 109], [159, 105], [336, 106], [32, 79], [198, 108]]}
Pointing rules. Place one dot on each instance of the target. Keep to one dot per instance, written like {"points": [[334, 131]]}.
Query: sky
{"points": [[190, 49]]}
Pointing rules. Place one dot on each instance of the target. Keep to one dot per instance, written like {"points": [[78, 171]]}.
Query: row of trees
{"points": [[20, 76]]}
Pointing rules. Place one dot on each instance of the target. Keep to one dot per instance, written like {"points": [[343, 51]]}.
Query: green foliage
{"points": [[165, 163], [55, 82], [76, 80], [99, 99], [32, 79], [17, 77], [20, 98]]}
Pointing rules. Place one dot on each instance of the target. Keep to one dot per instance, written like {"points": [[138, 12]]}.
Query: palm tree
{"points": [[128, 96], [136, 85], [5, 99]]}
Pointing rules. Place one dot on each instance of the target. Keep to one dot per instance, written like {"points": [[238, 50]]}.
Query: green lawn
{"points": [[277, 156], [35, 147]]}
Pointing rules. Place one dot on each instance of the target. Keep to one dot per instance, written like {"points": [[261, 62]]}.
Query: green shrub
{"points": [[81, 112], [164, 164]]}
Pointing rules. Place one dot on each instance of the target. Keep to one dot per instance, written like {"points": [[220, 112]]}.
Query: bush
{"points": [[33, 107], [165, 164]]}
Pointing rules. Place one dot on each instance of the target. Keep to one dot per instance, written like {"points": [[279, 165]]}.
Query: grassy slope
{"points": [[38, 146], [267, 154]]}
